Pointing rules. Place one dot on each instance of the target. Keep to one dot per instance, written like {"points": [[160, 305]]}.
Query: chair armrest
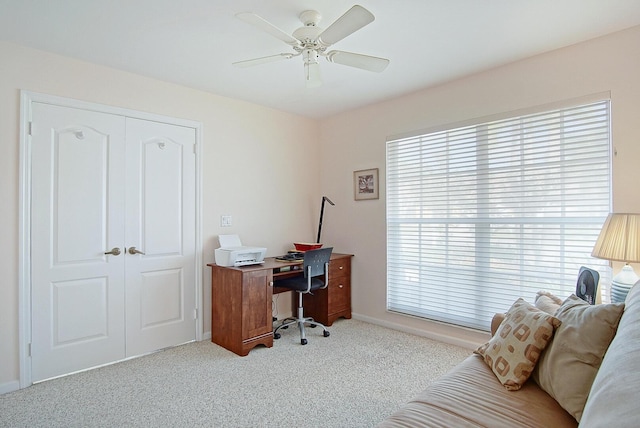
{"points": [[326, 276], [495, 323]]}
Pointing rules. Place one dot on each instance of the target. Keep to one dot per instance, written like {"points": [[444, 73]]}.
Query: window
{"points": [[480, 215]]}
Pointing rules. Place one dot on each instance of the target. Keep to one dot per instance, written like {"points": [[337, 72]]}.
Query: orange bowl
{"points": [[305, 246]]}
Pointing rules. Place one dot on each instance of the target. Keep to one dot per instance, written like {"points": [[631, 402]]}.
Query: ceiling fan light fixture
{"points": [[310, 56]]}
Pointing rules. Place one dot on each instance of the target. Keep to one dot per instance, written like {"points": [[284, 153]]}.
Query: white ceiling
{"points": [[194, 42]]}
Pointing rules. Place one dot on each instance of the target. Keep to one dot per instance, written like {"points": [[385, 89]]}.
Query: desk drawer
{"points": [[339, 267], [339, 293]]}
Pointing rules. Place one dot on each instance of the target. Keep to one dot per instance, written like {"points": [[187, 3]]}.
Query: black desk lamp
{"points": [[324, 198]]}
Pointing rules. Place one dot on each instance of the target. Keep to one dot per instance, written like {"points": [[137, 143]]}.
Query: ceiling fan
{"points": [[311, 42]]}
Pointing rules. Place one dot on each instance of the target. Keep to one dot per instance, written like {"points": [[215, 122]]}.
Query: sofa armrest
{"points": [[495, 323]]}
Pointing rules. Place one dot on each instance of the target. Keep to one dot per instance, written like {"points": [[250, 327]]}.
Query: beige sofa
{"points": [[471, 395]]}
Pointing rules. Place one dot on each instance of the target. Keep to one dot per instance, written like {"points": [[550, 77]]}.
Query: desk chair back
{"points": [[315, 262]]}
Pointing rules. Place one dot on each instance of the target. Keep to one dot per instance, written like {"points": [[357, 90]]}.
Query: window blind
{"points": [[480, 215]]}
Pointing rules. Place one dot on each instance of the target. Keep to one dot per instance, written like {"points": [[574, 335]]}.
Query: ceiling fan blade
{"points": [[267, 27], [365, 62], [353, 20], [312, 75], [263, 60]]}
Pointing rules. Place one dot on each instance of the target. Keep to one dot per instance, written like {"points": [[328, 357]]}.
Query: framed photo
{"points": [[365, 184]]}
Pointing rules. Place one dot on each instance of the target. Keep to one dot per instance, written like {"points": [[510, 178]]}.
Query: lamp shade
{"points": [[619, 239]]}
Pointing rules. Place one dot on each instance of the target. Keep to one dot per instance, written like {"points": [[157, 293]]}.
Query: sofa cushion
{"points": [[612, 400], [520, 339], [569, 364], [469, 395], [547, 302]]}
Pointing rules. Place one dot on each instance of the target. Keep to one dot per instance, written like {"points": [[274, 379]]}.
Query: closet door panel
{"points": [[161, 297], [77, 194]]}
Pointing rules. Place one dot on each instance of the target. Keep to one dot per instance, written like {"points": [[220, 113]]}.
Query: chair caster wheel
{"points": [[276, 335], [303, 341], [326, 333], [313, 326], [285, 327]]}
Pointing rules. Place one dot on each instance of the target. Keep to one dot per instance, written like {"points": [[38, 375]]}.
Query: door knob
{"points": [[133, 250], [115, 251]]}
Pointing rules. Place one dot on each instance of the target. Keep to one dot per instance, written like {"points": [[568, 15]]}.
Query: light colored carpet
{"points": [[354, 378]]}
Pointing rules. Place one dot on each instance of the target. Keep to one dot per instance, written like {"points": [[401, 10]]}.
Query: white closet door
{"points": [[103, 182], [77, 194], [160, 291]]}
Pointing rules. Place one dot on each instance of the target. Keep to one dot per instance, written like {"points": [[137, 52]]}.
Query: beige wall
{"points": [[247, 165], [356, 140]]}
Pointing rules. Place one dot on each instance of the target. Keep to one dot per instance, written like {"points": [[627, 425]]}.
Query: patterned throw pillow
{"points": [[515, 349]]}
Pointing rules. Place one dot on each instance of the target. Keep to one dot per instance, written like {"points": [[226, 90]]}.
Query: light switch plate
{"points": [[225, 221]]}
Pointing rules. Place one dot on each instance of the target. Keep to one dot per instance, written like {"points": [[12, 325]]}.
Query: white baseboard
{"points": [[9, 386], [465, 343]]}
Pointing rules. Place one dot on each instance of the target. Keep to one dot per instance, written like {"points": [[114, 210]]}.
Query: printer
{"points": [[233, 253]]}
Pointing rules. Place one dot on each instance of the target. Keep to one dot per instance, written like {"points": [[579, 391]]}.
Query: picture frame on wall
{"points": [[365, 184]]}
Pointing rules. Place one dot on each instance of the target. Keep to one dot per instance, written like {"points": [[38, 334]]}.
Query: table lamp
{"points": [[619, 240]]}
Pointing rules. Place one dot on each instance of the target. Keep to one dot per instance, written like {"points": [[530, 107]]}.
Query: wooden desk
{"points": [[241, 299]]}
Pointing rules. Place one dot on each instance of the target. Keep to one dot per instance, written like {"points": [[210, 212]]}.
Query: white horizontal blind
{"points": [[480, 215]]}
